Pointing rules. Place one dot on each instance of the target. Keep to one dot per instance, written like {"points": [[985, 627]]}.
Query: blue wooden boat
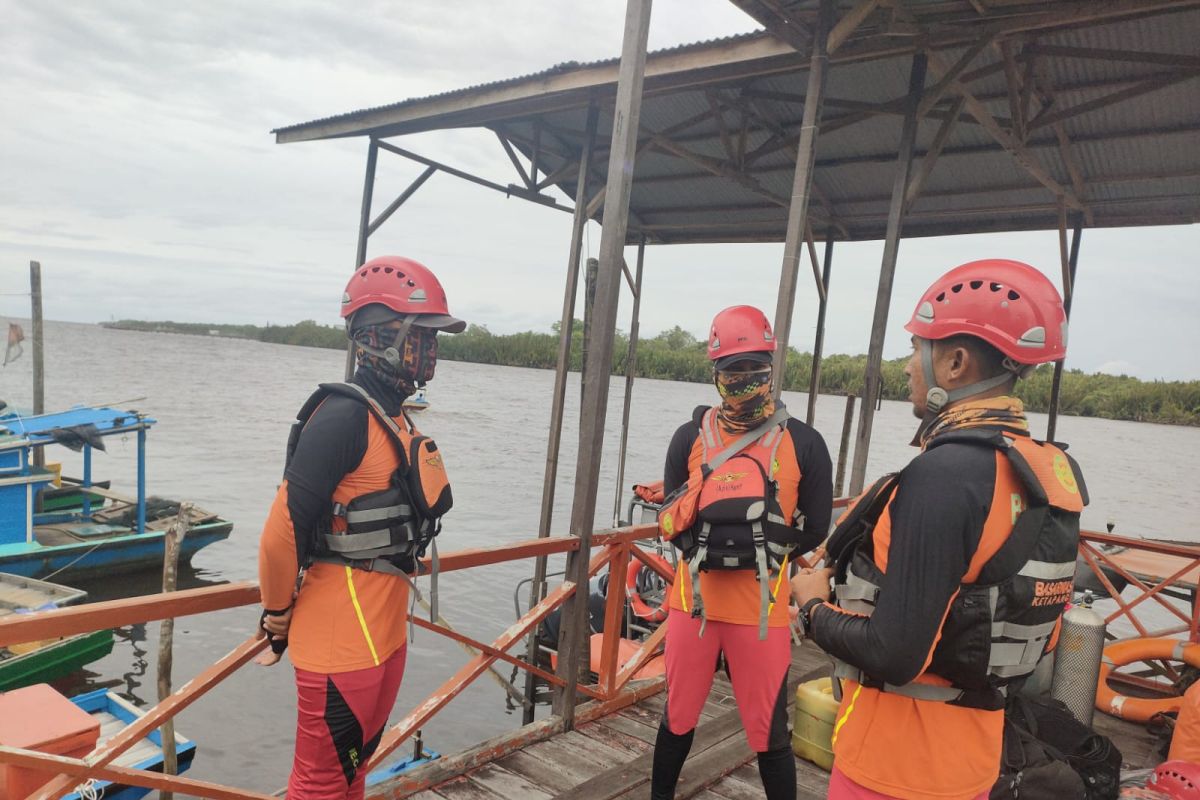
{"points": [[115, 714], [417, 401], [80, 541]]}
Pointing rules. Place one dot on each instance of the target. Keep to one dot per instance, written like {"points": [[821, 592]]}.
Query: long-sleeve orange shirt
{"points": [[344, 619]]}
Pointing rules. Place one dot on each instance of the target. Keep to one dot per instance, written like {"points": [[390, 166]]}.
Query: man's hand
{"points": [[809, 583], [276, 626]]}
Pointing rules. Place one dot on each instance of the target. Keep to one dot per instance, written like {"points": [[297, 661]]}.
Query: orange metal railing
{"points": [[612, 549]]}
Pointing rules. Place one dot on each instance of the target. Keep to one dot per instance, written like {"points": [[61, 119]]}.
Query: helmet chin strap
{"points": [[937, 398]]}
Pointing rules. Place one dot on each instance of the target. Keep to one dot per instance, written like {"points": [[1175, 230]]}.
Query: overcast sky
{"points": [[136, 164]]}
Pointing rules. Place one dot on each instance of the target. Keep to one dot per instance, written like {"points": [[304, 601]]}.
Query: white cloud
{"points": [[140, 171]]}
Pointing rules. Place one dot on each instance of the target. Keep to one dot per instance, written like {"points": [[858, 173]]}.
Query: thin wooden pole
{"points": [[797, 222], [814, 381], [39, 370], [566, 328], [630, 371], [364, 232], [847, 421], [172, 541], [1068, 295], [887, 272], [626, 112]]}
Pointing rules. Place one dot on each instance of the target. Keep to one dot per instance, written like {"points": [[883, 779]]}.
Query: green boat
{"points": [[38, 662], [51, 659]]}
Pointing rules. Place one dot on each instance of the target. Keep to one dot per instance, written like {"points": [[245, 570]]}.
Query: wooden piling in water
{"points": [[172, 543], [39, 372]]}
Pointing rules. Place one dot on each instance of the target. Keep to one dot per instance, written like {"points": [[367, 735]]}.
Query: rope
{"points": [[73, 561]]}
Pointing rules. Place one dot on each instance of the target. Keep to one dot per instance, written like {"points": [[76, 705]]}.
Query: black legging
{"points": [[776, 768]]}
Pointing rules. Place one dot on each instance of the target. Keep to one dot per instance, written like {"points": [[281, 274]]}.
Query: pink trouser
{"points": [[340, 719], [842, 788], [757, 669]]}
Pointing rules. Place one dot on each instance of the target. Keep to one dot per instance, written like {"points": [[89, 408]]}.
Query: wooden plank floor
{"points": [[610, 758]]}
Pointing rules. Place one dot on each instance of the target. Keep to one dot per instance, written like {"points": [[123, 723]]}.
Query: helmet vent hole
{"points": [[1012, 295], [399, 274], [956, 288], [387, 270], [941, 298], [976, 284], [411, 282], [374, 269], [995, 287]]}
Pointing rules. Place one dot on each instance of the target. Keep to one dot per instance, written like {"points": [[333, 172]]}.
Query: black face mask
{"points": [[416, 356]]}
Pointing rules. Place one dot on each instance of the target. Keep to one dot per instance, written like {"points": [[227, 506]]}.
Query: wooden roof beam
{"points": [[1005, 138], [512, 156], [1134, 56], [717, 168], [917, 182], [1137, 90], [849, 22]]}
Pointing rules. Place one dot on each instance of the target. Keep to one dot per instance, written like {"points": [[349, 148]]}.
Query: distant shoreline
{"points": [[677, 355]]}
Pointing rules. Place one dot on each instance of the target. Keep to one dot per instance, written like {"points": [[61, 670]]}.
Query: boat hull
{"points": [[85, 560], [54, 660]]}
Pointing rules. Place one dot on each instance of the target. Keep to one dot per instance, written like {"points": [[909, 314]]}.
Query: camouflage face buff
{"points": [[418, 359], [745, 398]]}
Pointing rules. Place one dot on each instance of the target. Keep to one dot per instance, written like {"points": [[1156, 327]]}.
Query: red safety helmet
{"points": [[405, 287], [1008, 304], [1179, 780], [737, 331]]}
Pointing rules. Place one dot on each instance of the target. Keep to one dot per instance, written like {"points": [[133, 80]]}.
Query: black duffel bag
{"points": [[1050, 755]]}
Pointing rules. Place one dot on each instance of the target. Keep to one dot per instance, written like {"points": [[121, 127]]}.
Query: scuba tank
{"points": [[1077, 660]]}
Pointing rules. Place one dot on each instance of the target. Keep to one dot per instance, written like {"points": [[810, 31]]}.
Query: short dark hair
{"points": [[991, 361]]}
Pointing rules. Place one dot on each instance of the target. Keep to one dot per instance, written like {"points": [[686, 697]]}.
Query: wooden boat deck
{"points": [[610, 758]]}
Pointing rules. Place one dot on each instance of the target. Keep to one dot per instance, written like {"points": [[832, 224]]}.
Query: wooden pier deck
{"points": [[610, 758]]}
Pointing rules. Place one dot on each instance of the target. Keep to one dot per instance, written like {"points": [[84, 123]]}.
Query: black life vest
{"points": [[1000, 625], [390, 529]]}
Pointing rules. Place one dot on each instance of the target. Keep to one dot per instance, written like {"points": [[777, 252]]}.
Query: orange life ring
{"points": [[641, 609], [1118, 654]]}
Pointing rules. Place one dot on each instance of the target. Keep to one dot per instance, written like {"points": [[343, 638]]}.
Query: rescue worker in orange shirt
{"points": [[757, 491], [951, 575], [361, 500]]}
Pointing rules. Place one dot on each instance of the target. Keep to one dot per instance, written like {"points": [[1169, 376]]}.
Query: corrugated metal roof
{"points": [[557, 69], [1137, 157]]}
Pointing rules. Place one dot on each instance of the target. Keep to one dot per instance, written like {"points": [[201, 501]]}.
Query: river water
{"points": [[223, 408]]}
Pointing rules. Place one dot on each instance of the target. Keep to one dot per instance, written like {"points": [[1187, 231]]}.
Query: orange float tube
{"points": [[641, 609], [1118, 654]]}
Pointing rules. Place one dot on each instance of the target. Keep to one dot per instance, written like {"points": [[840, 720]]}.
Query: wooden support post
{"points": [[630, 372], [847, 421], [814, 381], [626, 112], [1069, 265], [797, 223], [364, 232], [887, 271], [589, 301], [172, 543], [566, 325], [39, 342]]}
